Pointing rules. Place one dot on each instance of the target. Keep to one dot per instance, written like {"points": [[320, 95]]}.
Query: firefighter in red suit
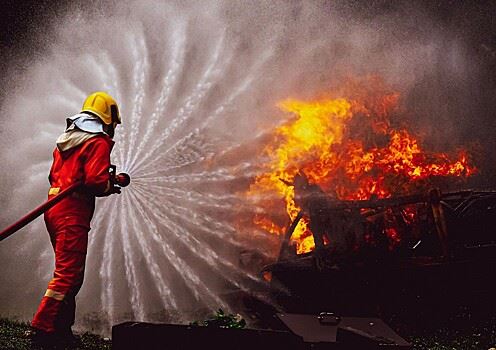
{"points": [[82, 154]]}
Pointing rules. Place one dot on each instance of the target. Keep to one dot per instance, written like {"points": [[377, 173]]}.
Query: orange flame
{"points": [[349, 148]]}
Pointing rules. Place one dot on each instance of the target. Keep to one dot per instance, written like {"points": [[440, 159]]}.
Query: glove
{"points": [[115, 189], [112, 190]]}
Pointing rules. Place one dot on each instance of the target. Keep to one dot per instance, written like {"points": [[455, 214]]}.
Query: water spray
{"points": [[118, 180]]}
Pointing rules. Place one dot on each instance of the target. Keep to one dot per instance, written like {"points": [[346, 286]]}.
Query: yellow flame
{"points": [[317, 127], [312, 141]]}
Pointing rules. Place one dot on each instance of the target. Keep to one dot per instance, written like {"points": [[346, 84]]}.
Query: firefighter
{"points": [[82, 154]]}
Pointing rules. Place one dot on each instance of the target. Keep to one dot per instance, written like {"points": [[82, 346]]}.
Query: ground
{"points": [[12, 336], [478, 334]]}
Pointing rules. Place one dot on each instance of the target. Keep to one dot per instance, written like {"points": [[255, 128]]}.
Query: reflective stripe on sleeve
{"points": [[53, 191]]}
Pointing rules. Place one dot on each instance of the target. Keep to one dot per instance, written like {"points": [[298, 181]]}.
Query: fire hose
{"points": [[121, 180]]}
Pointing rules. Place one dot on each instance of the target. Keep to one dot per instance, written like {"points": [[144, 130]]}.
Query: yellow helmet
{"points": [[104, 106]]}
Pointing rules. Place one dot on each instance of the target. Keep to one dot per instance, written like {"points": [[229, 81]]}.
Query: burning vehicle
{"points": [[373, 216]]}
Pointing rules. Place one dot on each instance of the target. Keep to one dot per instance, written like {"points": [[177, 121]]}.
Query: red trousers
{"points": [[70, 241]]}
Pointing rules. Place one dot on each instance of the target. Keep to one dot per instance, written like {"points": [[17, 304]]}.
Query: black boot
{"points": [[66, 339], [41, 339]]}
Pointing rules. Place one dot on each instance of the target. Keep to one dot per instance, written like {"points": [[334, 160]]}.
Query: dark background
{"points": [[24, 27], [22, 23]]}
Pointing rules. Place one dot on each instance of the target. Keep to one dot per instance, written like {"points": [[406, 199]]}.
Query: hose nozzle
{"points": [[122, 179]]}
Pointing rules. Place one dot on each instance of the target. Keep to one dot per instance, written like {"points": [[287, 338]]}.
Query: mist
{"points": [[197, 84]]}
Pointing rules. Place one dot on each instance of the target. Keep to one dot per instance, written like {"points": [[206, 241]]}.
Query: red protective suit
{"points": [[68, 224]]}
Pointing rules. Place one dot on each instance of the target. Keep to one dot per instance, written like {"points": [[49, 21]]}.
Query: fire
{"points": [[351, 148]]}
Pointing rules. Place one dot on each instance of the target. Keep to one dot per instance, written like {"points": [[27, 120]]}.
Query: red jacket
{"points": [[89, 163]]}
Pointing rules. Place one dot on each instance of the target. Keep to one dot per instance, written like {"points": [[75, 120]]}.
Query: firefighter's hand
{"points": [[112, 190], [115, 189]]}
